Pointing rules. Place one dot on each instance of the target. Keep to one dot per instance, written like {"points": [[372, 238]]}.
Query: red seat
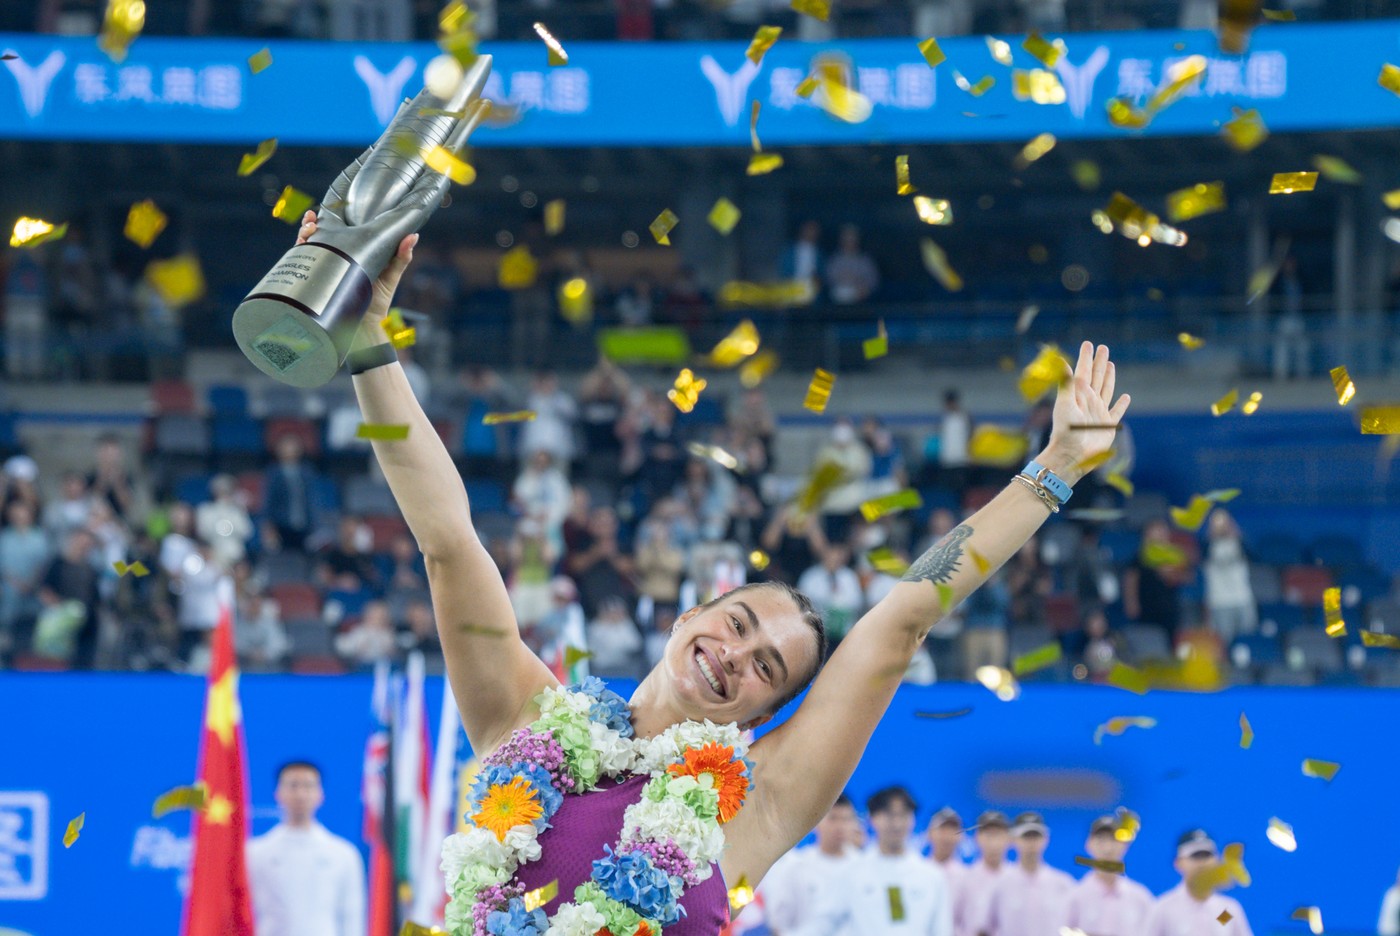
{"points": [[318, 666], [172, 396], [296, 600], [304, 429], [1304, 585], [385, 527], [251, 484], [38, 664], [1062, 613]]}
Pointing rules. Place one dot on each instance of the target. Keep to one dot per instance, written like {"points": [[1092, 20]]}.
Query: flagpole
{"points": [[429, 890]]}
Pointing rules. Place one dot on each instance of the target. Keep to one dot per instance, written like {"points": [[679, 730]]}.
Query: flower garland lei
{"points": [[669, 839]]}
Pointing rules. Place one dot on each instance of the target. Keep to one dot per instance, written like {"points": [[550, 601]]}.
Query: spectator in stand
{"points": [[371, 640], [803, 260], [486, 447], [563, 629], [196, 585], [407, 570], [792, 543], [848, 453], [707, 492], [752, 418], [945, 832], [1152, 584], [1192, 908], [635, 304], [663, 455], [111, 538], [1292, 349], [260, 638], [615, 642], [834, 589], [532, 560], [1229, 595], [1037, 426], [954, 435], [1089, 573], [747, 520], [224, 523], [347, 564], [985, 621], [552, 429], [1103, 649], [70, 510], [575, 525], [178, 544], [1106, 903], [1029, 897], [851, 275], [660, 565], [67, 625], [290, 500], [112, 480], [1028, 583], [993, 841], [1389, 924], [801, 879], [686, 304], [602, 398], [19, 483], [144, 613], [24, 558], [601, 567], [541, 493], [886, 460], [418, 633]]}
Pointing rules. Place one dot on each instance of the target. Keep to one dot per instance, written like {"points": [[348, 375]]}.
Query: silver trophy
{"points": [[298, 322]]}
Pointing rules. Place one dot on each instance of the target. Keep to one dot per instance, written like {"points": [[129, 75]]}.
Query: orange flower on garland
{"points": [[725, 772], [506, 806]]}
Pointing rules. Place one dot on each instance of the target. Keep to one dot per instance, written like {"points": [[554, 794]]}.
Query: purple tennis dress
{"points": [[575, 839]]}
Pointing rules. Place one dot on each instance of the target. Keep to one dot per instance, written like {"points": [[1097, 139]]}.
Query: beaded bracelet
{"points": [[1039, 491]]}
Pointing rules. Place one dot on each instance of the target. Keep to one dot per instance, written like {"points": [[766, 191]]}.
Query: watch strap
{"points": [[1049, 480]]}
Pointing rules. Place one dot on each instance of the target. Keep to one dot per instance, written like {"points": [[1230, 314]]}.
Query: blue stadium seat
{"points": [[1337, 552], [1280, 674], [178, 434], [192, 489], [1278, 549], [228, 400], [486, 496], [9, 439], [237, 436], [1122, 545], [1255, 650], [1280, 618], [1146, 642], [1319, 651], [1265, 582], [1362, 585]]}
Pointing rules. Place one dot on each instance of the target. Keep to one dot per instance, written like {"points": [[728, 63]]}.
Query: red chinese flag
{"points": [[219, 903]]}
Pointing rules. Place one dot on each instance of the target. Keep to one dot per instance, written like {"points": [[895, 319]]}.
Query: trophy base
{"points": [[285, 343]]}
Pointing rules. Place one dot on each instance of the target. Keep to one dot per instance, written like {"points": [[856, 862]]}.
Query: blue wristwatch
{"points": [[1049, 480]]}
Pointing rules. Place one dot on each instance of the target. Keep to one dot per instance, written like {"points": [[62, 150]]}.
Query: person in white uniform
{"points": [[304, 879], [945, 831], [891, 888], [1105, 902], [1183, 910], [792, 889], [975, 891], [1029, 898], [1389, 923]]}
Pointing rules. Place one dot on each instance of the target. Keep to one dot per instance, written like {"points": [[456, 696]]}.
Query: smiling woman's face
{"points": [[733, 660]]}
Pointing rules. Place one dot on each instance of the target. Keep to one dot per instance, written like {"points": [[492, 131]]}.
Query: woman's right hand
{"points": [[372, 325]]}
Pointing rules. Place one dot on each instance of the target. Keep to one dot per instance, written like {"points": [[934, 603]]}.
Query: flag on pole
{"points": [[376, 795], [411, 758], [429, 890], [219, 902]]}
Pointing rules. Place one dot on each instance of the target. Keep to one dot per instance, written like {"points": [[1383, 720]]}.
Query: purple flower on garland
{"points": [[490, 899], [669, 858], [515, 920], [632, 879], [535, 748]]}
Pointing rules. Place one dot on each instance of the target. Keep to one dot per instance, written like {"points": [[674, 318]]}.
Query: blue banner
{"points": [[1300, 77], [108, 744]]}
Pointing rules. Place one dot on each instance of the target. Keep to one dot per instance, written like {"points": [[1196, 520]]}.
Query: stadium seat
{"points": [[309, 637], [1275, 619], [281, 567], [1254, 650], [29, 662], [178, 434], [277, 401], [250, 483], [1277, 549], [1383, 616], [1265, 582], [1280, 674], [296, 599], [1319, 651], [490, 496], [385, 527], [318, 666], [1058, 542], [172, 397], [1362, 585], [192, 489], [1144, 506], [1122, 545], [1337, 552], [304, 429], [237, 435], [227, 400], [1062, 613], [1146, 642], [366, 495], [1304, 585]]}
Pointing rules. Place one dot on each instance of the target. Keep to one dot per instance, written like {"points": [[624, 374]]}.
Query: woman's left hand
{"points": [[1084, 424]]}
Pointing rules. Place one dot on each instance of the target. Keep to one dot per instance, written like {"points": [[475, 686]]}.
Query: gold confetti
{"points": [[418, 929], [753, 127], [1159, 555], [1189, 341], [819, 391], [762, 41], [1086, 174], [663, 225], [759, 559], [1279, 16], [1245, 130], [137, 569], [554, 217], [1118, 482], [1048, 52], [741, 894], [1193, 514], [456, 36], [1037, 85], [1129, 824], [936, 262], [401, 335], [1372, 639], [999, 49], [1286, 183], [74, 827], [764, 163], [1002, 446], [1251, 406], [1321, 769], [1225, 917], [976, 90], [542, 895], [838, 98], [1037, 659], [1049, 370], [902, 185], [817, 9], [779, 295], [1108, 867], [1246, 732], [251, 162], [1226, 403], [518, 268], [179, 280], [1180, 77], [734, 347], [686, 391], [999, 680], [182, 797], [876, 347], [1314, 917], [495, 419], [442, 160], [1123, 114], [1392, 199], [931, 52], [723, 216], [1335, 169], [1380, 420], [885, 560], [1389, 78], [1332, 612], [807, 87], [557, 55], [1280, 834], [575, 297], [955, 713], [713, 452], [878, 507], [933, 210], [144, 222], [756, 368], [1135, 222], [1035, 149], [121, 24], [382, 431], [260, 61], [291, 205], [1116, 726], [1342, 381], [31, 232], [1196, 200], [979, 560], [1123, 676]]}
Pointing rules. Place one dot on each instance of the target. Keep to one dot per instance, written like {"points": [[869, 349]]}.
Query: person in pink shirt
{"points": [[975, 892], [1029, 898], [1106, 903], [944, 834], [1179, 912]]}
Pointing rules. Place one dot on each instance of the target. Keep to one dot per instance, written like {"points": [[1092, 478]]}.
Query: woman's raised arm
{"points": [[494, 675], [810, 758]]}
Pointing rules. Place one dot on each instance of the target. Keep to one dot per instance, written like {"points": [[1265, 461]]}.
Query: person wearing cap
{"points": [[1029, 898], [1106, 903], [1389, 924], [889, 889], [793, 887], [975, 890], [1179, 912], [944, 834]]}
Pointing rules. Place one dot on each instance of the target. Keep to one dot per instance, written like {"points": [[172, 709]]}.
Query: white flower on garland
{"points": [[656, 754], [576, 920], [701, 839], [555, 701], [477, 849], [617, 754]]}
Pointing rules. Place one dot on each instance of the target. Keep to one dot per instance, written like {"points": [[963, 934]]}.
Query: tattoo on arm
{"points": [[941, 561]]}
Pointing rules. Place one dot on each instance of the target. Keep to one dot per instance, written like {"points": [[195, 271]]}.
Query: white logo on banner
{"points": [[385, 90], [730, 90], [24, 845], [1079, 80], [34, 81]]}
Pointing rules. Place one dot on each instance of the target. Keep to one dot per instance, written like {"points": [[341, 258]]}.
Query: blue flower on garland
{"points": [[534, 774], [632, 879], [514, 920], [608, 707]]}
